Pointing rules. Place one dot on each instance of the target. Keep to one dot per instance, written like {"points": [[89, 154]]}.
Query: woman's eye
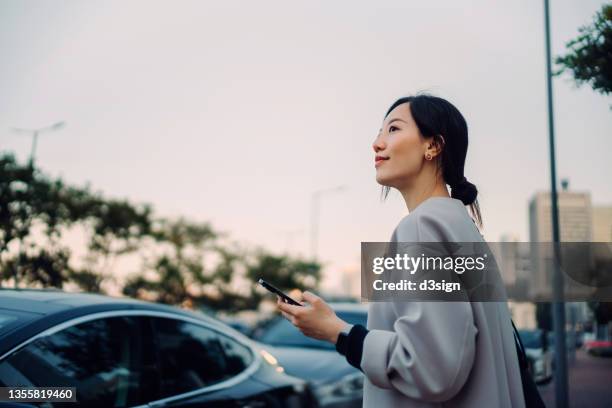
{"points": [[391, 128]]}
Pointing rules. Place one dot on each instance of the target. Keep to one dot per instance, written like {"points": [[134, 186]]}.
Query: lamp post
{"points": [[561, 383], [35, 133], [314, 216]]}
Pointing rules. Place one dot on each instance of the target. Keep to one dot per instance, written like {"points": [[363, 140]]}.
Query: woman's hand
{"points": [[317, 320]]}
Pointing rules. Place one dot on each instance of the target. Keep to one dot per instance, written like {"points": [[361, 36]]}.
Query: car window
{"points": [[106, 360], [280, 332], [192, 356], [237, 356]]}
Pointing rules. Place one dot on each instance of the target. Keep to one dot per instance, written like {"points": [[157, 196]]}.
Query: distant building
{"points": [[579, 221], [575, 225], [575, 217], [602, 223]]}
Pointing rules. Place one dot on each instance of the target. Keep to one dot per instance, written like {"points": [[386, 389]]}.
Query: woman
{"points": [[425, 354]]}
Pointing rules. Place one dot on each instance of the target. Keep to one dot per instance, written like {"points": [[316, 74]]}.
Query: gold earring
{"points": [[428, 156]]}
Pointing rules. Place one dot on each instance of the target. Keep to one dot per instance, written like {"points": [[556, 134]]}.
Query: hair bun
{"points": [[464, 191]]}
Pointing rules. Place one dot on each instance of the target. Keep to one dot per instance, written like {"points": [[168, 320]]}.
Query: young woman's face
{"points": [[399, 149]]}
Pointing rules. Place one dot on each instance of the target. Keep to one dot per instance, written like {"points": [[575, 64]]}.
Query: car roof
{"points": [[31, 300], [50, 301], [42, 303]]}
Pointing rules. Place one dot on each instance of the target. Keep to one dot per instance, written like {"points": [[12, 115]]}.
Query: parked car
{"points": [[238, 325], [569, 344], [539, 354], [125, 353], [335, 382], [600, 348], [588, 336]]}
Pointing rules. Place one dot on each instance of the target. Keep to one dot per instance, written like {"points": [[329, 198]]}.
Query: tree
{"points": [[177, 262], [284, 272], [589, 58], [115, 228], [590, 61], [28, 198], [183, 262], [34, 212]]}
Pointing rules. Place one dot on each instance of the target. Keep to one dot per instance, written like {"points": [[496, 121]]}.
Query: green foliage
{"points": [[283, 272], [183, 262], [87, 280], [590, 54], [114, 221], [29, 199], [48, 268], [180, 269]]}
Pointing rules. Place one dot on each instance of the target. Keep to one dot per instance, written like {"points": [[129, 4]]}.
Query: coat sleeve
{"points": [[429, 354]]}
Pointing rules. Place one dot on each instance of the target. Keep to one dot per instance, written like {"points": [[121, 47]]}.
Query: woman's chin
{"points": [[383, 181]]}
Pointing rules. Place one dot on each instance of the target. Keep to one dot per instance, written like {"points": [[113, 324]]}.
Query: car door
{"points": [[198, 365], [109, 360]]}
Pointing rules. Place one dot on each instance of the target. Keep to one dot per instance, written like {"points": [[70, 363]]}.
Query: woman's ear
{"points": [[435, 145]]}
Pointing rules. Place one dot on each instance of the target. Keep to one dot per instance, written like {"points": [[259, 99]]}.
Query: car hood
{"points": [[314, 365]]}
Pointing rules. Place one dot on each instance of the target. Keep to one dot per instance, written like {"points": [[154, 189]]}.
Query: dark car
{"points": [[600, 348], [335, 382], [124, 353], [238, 325]]}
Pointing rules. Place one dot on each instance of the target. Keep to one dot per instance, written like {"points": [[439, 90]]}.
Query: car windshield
{"points": [[280, 332], [531, 338]]}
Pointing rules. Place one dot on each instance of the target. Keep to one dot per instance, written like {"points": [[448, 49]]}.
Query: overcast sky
{"points": [[234, 112]]}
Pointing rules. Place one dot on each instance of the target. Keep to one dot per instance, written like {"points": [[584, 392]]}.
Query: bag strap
{"points": [[519, 347]]}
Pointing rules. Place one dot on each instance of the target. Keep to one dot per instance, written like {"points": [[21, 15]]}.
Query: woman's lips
{"points": [[379, 160]]}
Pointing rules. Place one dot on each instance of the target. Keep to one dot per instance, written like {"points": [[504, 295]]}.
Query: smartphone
{"points": [[278, 292]]}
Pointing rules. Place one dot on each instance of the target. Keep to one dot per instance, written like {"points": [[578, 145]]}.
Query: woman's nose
{"points": [[378, 145]]}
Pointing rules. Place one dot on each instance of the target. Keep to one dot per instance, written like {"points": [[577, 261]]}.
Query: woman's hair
{"points": [[436, 117]]}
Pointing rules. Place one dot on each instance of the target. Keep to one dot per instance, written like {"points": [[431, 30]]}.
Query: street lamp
{"points": [[35, 132], [558, 305], [314, 216]]}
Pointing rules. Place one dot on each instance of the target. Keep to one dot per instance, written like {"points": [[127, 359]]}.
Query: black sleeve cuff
{"points": [[351, 346]]}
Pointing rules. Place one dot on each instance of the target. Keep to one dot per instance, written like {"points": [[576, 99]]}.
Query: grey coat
{"points": [[440, 354]]}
